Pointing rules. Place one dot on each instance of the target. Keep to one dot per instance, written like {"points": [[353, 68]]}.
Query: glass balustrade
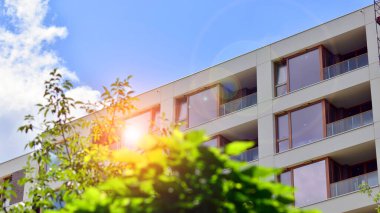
{"points": [[345, 66], [353, 184], [349, 123], [249, 155], [238, 104]]}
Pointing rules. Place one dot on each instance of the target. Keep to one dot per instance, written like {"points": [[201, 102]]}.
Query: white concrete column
{"points": [[266, 136], [264, 76]]}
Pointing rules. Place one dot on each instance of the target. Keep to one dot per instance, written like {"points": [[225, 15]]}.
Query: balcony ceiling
{"points": [[357, 154], [351, 96], [247, 131], [347, 42], [245, 79]]}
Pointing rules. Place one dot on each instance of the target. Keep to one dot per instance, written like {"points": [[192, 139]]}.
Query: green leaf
{"points": [[238, 147]]}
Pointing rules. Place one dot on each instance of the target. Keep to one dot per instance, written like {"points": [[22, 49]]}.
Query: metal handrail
{"points": [[349, 123], [353, 184], [238, 104], [346, 65]]}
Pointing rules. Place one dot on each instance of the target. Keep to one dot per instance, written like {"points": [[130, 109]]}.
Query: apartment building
{"points": [[311, 102]]}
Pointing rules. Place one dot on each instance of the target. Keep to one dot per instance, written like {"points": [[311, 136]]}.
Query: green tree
{"points": [[73, 153], [366, 189], [178, 174], [73, 164]]}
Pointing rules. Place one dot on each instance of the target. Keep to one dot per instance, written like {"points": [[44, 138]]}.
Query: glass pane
{"points": [[211, 143], [54, 160], [281, 90], [372, 166], [307, 125], [286, 178], [283, 127], [304, 70], [310, 183], [281, 74], [140, 122], [135, 128], [372, 179], [363, 60], [203, 106], [283, 146], [182, 110], [156, 122]]}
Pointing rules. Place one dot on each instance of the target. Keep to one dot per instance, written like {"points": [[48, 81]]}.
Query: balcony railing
{"points": [[345, 66], [238, 104], [353, 184], [249, 155], [349, 123]]}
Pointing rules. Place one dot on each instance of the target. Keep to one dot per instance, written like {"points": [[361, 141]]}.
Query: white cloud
{"points": [[25, 61]]}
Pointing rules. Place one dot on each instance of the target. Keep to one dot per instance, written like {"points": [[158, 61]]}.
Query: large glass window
{"points": [[307, 125], [138, 126], [310, 183], [203, 106], [304, 69], [141, 122]]}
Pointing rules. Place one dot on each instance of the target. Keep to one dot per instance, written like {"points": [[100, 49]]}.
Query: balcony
{"points": [[349, 123], [238, 104], [248, 156], [346, 66], [353, 184]]}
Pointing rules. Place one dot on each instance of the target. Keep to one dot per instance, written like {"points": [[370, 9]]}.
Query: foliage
{"points": [[80, 148], [74, 164], [366, 189], [178, 174]]}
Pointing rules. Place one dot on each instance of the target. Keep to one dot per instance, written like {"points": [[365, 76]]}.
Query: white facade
{"points": [[257, 69]]}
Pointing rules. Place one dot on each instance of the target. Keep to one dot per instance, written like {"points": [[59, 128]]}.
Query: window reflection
{"points": [[310, 183], [211, 143], [304, 70], [286, 178], [307, 125], [203, 106]]}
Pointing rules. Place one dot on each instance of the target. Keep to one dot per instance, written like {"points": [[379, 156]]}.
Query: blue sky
{"points": [[94, 42], [160, 41]]}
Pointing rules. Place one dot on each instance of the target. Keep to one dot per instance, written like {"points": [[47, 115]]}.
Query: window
{"points": [[203, 106], [54, 160], [182, 112], [281, 80], [5, 200], [286, 178], [211, 143], [58, 202], [13, 180], [304, 70], [306, 126], [298, 71], [310, 182], [283, 133], [198, 108]]}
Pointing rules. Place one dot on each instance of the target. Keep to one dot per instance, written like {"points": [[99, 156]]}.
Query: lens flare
{"points": [[132, 135]]}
